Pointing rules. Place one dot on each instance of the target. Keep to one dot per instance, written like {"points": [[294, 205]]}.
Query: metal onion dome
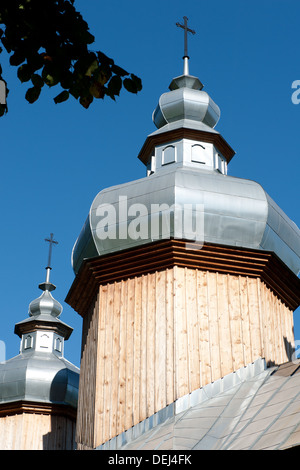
{"points": [[40, 373]]}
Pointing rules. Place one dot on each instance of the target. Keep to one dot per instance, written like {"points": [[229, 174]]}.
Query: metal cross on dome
{"points": [[186, 31], [51, 242]]}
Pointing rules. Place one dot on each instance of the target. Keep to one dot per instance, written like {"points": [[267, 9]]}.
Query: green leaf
{"points": [[6, 44], [37, 80], [137, 81], [94, 66], [17, 58], [133, 84], [114, 86], [75, 90], [102, 74], [51, 80], [104, 59], [63, 96], [32, 94], [24, 73], [97, 90], [35, 61], [87, 37], [85, 101], [66, 80], [119, 71], [130, 85], [50, 75], [109, 93]]}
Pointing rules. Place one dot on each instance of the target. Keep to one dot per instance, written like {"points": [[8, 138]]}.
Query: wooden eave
{"points": [[184, 133], [22, 406], [35, 324], [166, 254]]}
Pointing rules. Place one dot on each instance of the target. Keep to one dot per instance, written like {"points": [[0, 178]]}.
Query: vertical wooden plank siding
{"points": [[87, 380], [160, 340], [224, 321], [254, 318], [235, 322], [170, 346], [156, 337], [137, 348], [214, 340], [192, 328], [129, 356], [150, 343], [36, 431], [109, 321], [203, 320], [115, 357], [122, 360], [100, 366], [143, 370], [289, 330], [181, 339]]}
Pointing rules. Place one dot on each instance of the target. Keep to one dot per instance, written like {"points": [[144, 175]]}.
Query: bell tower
{"points": [[170, 306]]}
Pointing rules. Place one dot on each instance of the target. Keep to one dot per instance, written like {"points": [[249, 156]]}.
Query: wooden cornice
{"points": [[185, 133], [19, 407], [165, 254], [35, 324]]}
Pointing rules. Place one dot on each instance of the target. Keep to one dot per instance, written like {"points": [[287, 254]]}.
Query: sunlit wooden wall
{"points": [[153, 338], [37, 431]]}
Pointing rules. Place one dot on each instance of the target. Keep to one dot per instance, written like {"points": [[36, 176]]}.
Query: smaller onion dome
{"points": [[40, 373], [186, 100], [45, 304], [45, 310]]}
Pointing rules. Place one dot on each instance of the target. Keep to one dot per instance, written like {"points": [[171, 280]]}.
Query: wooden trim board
{"points": [[165, 254]]}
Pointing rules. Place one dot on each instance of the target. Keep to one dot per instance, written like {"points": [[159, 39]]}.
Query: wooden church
{"points": [[186, 280]]}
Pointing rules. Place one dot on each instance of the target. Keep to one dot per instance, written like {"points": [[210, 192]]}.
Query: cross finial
{"points": [[186, 31], [51, 242]]}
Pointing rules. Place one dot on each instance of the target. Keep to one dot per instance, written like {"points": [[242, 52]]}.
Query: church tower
{"points": [[182, 277], [39, 387]]}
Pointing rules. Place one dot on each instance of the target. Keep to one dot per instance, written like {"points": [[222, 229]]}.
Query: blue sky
{"points": [[56, 158]]}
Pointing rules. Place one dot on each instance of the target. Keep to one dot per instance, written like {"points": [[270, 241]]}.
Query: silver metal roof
{"points": [[181, 172], [237, 212], [39, 377], [254, 408], [40, 373], [186, 102], [44, 310]]}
